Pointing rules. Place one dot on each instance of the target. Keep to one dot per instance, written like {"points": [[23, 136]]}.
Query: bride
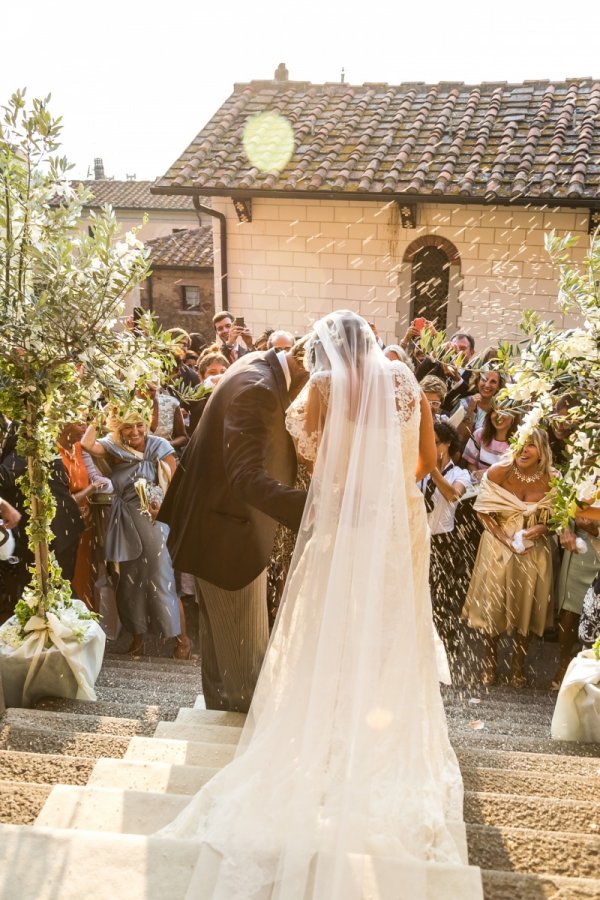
{"points": [[344, 785]]}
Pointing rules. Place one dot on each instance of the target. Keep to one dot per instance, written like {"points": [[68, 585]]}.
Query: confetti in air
{"points": [[268, 141]]}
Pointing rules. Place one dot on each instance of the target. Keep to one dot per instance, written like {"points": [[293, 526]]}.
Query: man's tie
{"points": [[233, 354]]}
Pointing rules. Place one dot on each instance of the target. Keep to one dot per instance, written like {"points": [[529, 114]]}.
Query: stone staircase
{"points": [[98, 778]]}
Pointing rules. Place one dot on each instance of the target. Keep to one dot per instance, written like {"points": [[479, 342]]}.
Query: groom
{"points": [[233, 485]]}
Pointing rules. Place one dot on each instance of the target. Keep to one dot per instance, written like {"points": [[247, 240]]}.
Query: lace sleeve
{"points": [[305, 416], [407, 391]]}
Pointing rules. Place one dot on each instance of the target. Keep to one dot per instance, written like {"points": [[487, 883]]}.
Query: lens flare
{"points": [[268, 141]]}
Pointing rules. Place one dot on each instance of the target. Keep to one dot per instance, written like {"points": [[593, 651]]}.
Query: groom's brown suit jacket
{"points": [[234, 481]]}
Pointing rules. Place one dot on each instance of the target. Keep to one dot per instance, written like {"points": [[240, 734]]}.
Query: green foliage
{"points": [[565, 363], [63, 340]]}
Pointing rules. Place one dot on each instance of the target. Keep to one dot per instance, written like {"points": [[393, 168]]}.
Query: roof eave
{"points": [[467, 199]]}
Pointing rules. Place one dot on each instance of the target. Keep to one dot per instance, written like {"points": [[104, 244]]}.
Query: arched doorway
{"points": [[430, 278], [430, 283]]}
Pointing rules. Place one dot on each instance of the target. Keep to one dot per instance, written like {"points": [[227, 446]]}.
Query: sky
{"points": [[135, 82]]}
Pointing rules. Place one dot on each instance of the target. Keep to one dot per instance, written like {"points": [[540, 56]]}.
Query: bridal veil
{"points": [[344, 785]]}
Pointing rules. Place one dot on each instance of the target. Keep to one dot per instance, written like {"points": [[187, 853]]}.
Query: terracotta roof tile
{"points": [[495, 141], [192, 247], [133, 195]]}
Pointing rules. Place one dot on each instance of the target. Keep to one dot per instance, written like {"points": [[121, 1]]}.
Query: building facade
{"points": [[395, 201]]}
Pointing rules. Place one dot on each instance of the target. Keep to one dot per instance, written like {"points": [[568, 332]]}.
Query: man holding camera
{"points": [[228, 332]]}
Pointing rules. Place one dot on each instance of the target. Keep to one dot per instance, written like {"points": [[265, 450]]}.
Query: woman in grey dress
{"points": [[146, 595]]}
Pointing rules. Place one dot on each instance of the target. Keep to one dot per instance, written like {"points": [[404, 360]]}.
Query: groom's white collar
{"points": [[281, 356]]}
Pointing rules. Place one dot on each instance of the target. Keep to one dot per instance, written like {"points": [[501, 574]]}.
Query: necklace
{"points": [[527, 479]]}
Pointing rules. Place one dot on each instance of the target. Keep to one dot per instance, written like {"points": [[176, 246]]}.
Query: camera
{"points": [[239, 321]]}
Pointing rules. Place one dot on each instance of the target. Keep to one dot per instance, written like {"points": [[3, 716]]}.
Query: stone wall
{"points": [[167, 299], [298, 260]]}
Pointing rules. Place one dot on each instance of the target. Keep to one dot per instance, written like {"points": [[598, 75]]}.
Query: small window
{"points": [[191, 297]]}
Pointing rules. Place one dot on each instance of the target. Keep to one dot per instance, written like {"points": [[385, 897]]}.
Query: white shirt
{"points": [[441, 517], [286, 369]]}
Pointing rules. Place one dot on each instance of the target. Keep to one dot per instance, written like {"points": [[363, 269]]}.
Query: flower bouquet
{"points": [[149, 495]]}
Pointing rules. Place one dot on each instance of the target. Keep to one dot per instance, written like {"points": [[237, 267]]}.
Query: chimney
{"points": [[281, 73], [99, 169]]}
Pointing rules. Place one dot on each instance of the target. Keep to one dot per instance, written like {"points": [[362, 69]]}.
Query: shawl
{"points": [[516, 514]]}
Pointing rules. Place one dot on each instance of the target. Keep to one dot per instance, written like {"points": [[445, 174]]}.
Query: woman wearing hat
{"points": [[142, 465]]}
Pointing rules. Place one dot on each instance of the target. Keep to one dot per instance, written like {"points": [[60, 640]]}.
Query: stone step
{"points": [[549, 814], [170, 681], [69, 743], [156, 868], [149, 694], [142, 711], [530, 784], [123, 660], [190, 753], [533, 851], [44, 768], [220, 734], [20, 803], [66, 721], [461, 723], [525, 697], [145, 812], [209, 717], [158, 777], [500, 709], [469, 739], [568, 766], [73, 865], [109, 809], [516, 886]]}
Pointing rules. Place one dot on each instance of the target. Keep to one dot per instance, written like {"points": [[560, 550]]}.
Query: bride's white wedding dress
{"points": [[345, 785]]}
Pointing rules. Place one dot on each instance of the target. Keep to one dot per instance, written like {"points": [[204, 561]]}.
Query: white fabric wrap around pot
{"points": [[577, 712], [68, 667]]}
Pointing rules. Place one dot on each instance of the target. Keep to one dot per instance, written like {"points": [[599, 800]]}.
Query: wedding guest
{"points": [[560, 430], [375, 331], [81, 488], [167, 419], [280, 340], [190, 359], [66, 526], [577, 572], [212, 367], [486, 385], [435, 393], [146, 595], [490, 443], [229, 335], [9, 515], [511, 587], [197, 342], [395, 352], [262, 341], [442, 490]]}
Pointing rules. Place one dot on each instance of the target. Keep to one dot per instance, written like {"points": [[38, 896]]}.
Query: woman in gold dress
{"points": [[511, 587]]}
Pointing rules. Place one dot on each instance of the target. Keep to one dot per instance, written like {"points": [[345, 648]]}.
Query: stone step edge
{"points": [[149, 798], [17, 716], [148, 660]]}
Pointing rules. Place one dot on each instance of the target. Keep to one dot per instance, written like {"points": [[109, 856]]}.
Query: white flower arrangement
{"points": [[72, 615]]}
